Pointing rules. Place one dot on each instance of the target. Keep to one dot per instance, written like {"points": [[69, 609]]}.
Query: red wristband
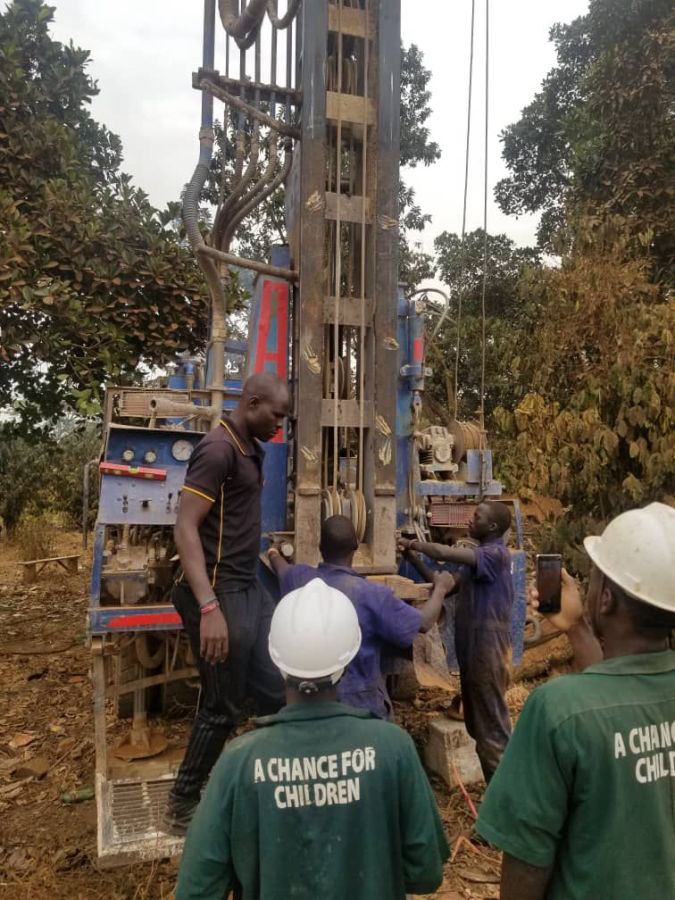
{"points": [[208, 607]]}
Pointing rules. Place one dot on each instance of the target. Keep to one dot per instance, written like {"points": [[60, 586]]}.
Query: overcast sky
{"points": [[144, 51]]}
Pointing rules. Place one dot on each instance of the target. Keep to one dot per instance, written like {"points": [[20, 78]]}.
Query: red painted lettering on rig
{"points": [[272, 337]]}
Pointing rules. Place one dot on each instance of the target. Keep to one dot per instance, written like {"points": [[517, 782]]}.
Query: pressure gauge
{"points": [[150, 456], [128, 454], [181, 450]]}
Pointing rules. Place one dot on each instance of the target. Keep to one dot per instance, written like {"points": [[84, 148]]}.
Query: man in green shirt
{"points": [[321, 800], [582, 802]]}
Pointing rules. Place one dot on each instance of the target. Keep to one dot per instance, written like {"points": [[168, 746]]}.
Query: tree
{"points": [[39, 477], [460, 266], [92, 285], [592, 379], [593, 421], [599, 136]]}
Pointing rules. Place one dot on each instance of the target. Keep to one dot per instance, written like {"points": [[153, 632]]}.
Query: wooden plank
{"points": [[351, 208], [349, 311], [348, 21], [350, 108], [152, 680], [404, 588], [348, 414], [48, 559], [98, 685]]}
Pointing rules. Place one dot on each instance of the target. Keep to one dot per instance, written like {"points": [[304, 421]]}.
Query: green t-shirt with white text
{"points": [[587, 783], [325, 802]]}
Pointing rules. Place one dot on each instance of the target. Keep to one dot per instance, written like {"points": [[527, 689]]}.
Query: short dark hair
{"points": [[338, 538], [645, 617], [500, 514]]}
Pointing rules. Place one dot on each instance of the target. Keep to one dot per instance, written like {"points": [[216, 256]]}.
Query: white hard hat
{"points": [[314, 632], [637, 552]]}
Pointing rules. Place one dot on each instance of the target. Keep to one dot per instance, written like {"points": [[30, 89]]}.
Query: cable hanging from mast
{"points": [[466, 194], [485, 216]]}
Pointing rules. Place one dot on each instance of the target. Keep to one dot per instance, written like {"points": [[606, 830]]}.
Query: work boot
{"points": [[178, 815]]}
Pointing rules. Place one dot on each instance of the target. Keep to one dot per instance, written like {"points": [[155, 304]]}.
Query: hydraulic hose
{"points": [[286, 20], [191, 220], [240, 26], [269, 189], [232, 200]]}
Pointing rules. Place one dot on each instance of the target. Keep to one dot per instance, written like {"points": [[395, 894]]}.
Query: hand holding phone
{"points": [[549, 582]]}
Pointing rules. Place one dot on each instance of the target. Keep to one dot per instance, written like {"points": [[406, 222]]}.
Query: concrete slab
{"points": [[448, 743]]}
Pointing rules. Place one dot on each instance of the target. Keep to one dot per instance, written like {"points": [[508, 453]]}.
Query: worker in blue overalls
{"points": [[482, 627], [384, 618]]}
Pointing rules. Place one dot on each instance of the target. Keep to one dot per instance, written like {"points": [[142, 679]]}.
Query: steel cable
{"points": [[466, 194], [485, 216]]}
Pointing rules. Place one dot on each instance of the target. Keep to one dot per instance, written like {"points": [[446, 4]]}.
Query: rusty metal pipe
{"points": [[191, 220], [231, 260], [250, 110]]}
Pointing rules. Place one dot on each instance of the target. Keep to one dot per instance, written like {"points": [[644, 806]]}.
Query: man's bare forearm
{"points": [[277, 562], [191, 555], [421, 567], [521, 881], [431, 610], [460, 555]]}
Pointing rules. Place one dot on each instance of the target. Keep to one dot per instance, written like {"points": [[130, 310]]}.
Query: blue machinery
{"points": [[328, 316]]}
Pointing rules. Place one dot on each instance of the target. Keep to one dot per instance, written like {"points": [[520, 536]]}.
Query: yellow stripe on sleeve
{"points": [[198, 493]]}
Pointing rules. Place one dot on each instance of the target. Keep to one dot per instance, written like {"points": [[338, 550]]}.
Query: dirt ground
{"points": [[47, 844]]}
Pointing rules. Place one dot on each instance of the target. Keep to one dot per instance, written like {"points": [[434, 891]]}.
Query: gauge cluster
{"points": [[147, 448]]}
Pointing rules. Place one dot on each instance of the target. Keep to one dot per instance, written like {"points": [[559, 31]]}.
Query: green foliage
{"points": [[415, 110], [599, 135], [592, 369], [594, 424], [91, 283], [45, 476], [461, 268]]}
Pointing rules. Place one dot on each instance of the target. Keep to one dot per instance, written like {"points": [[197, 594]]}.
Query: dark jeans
{"points": [[247, 672], [483, 657]]}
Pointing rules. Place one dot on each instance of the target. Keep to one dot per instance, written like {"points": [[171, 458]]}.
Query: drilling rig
{"points": [[312, 97]]}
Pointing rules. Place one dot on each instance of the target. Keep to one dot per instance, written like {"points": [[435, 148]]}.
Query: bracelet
{"points": [[208, 607]]}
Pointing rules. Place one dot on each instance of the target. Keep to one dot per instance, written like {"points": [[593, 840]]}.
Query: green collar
{"points": [[637, 664], [301, 712]]}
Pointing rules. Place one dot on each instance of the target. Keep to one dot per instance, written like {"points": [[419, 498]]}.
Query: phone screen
{"points": [[549, 569]]}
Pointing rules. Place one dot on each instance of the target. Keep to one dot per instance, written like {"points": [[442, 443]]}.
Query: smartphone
{"points": [[549, 581]]}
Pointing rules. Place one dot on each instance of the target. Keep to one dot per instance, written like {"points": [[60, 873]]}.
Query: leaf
{"points": [[21, 740]]}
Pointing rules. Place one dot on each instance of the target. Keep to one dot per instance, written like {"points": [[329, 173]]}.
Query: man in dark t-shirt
{"points": [[223, 608], [482, 627]]}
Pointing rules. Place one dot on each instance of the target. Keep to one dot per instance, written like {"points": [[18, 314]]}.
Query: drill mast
{"points": [[335, 111]]}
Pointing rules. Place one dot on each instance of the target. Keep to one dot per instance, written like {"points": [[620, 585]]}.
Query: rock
{"points": [[449, 743]]}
